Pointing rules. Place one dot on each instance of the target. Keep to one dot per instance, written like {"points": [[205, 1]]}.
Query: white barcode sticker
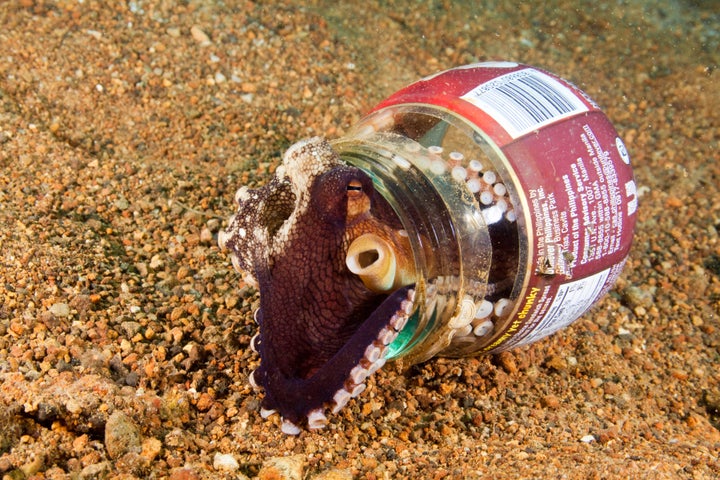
{"points": [[525, 100]]}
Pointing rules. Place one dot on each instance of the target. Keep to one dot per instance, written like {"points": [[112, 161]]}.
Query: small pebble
{"points": [[283, 468], [550, 401], [637, 296], [200, 36], [60, 309], [334, 474], [33, 465], [121, 435], [507, 360], [96, 470], [226, 462], [206, 235], [122, 204], [151, 448], [186, 473], [156, 262]]}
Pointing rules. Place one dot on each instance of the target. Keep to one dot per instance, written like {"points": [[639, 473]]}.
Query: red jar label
{"points": [[572, 174], [581, 202]]}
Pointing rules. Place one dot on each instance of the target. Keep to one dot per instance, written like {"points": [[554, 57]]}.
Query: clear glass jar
{"points": [[517, 197]]}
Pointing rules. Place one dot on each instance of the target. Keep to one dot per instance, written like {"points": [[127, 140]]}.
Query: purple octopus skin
{"points": [[321, 330]]}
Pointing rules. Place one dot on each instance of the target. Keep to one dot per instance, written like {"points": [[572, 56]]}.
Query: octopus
{"points": [[335, 273]]}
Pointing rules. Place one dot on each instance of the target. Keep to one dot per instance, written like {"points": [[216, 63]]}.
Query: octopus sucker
{"points": [[341, 398], [316, 419], [254, 343], [324, 327], [251, 380], [289, 427], [264, 413]]}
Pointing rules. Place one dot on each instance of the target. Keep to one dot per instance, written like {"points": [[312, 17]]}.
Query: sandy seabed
{"points": [[125, 129]]}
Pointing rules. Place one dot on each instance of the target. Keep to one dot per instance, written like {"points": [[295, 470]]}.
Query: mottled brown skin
{"points": [[292, 236], [309, 286]]}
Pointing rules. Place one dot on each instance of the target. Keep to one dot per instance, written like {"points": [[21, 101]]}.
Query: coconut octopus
{"points": [[335, 274]]}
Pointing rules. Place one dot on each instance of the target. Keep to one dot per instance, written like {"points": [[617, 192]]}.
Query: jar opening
{"points": [[457, 208]]}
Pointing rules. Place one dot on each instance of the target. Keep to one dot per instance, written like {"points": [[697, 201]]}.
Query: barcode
{"points": [[524, 101]]}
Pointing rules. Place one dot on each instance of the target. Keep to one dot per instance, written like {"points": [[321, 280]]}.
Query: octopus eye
{"points": [[354, 186]]}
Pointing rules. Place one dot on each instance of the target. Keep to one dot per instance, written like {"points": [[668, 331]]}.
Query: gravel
{"points": [[125, 130]]}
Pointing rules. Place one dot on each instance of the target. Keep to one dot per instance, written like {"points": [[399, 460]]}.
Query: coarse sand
{"points": [[125, 129]]}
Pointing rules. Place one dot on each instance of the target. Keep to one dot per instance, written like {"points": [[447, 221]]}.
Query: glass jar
{"points": [[517, 197]]}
